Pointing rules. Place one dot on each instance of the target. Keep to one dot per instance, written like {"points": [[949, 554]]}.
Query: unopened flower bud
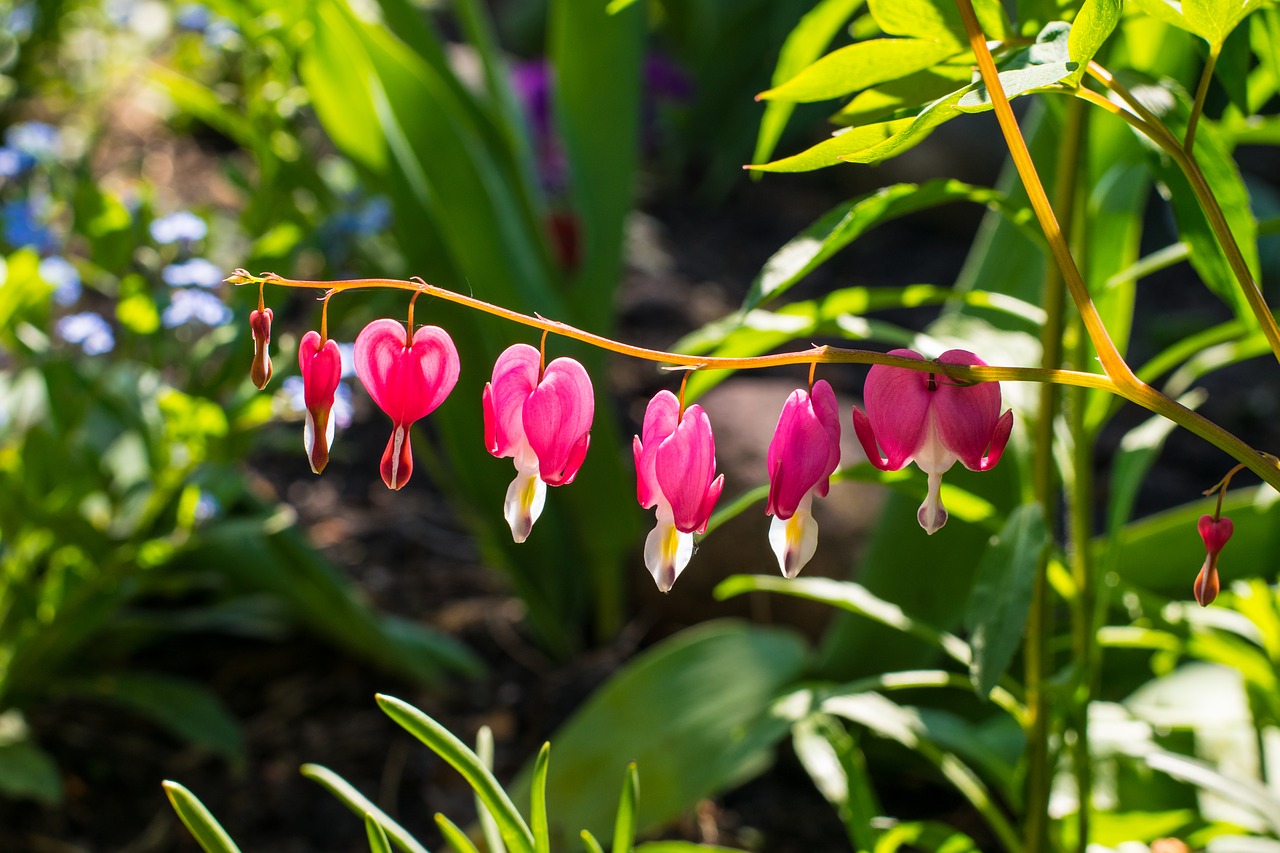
{"points": [[1215, 532], [260, 323]]}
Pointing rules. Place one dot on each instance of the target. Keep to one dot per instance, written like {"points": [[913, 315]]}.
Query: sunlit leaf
{"points": [[858, 66], [937, 19], [201, 823], [362, 806], [1092, 26]]}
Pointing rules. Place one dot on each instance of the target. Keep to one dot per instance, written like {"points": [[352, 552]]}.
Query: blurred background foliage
{"points": [[497, 149]]}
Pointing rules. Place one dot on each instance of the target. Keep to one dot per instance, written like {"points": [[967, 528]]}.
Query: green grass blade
{"points": [[624, 828], [515, 832], [457, 839], [377, 838], [488, 826], [538, 804], [202, 824], [361, 805], [589, 842]]}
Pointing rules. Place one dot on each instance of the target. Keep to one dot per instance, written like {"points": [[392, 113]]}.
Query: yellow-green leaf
{"points": [[859, 66]]}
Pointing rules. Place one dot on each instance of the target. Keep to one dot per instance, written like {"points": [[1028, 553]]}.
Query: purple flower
{"points": [[182, 226], [89, 330], [193, 16], [197, 271], [198, 305], [64, 277]]}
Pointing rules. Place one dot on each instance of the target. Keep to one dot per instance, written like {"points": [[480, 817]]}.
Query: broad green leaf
{"points": [[1016, 82], [597, 56], [26, 770], [859, 66], [929, 836], [362, 806], [378, 842], [937, 19], [1111, 829], [538, 801], [624, 825], [186, 708], [1168, 11], [453, 834], [846, 222], [907, 94], [691, 712], [1001, 596], [853, 598], [1213, 20], [804, 44], [515, 832], [1092, 26], [198, 820], [832, 151]]}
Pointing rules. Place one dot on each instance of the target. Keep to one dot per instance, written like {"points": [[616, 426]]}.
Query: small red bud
{"points": [[1215, 532], [260, 371], [1206, 585]]}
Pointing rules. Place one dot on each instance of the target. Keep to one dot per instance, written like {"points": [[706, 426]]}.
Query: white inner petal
{"points": [[795, 540], [666, 552], [397, 441], [526, 496]]}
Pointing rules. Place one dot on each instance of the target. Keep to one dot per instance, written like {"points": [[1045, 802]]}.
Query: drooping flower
{"points": [[321, 368], [543, 422], [1215, 532], [408, 378], [260, 370], [804, 452], [675, 457], [930, 420]]}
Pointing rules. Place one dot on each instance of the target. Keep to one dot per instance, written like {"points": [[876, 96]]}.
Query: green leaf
{"points": [[453, 834], [853, 598], [693, 712], [1236, 789], [188, 709], [804, 44], [488, 826], [1111, 829], [1213, 20], [362, 806], [26, 770], [844, 144], [377, 838], [937, 19], [929, 836], [538, 802], [683, 847], [1092, 26], [515, 832], [1001, 596], [624, 825], [858, 66], [908, 94], [838, 769], [846, 222], [1169, 11], [198, 820], [590, 843], [1016, 82]]}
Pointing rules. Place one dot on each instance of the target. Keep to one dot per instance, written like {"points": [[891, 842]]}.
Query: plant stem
{"points": [[1202, 91], [1264, 465], [1157, 132]]}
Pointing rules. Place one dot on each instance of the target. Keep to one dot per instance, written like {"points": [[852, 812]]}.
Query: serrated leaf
{"points": [[1092, 26], [858, 66], [805, 43], [1001, 596]]}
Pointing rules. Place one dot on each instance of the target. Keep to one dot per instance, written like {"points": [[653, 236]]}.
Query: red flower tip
{"points": [[1215, 532]]}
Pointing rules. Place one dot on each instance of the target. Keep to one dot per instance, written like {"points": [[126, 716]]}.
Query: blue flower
{"points": [[182, 226], [22, 227], [89, 330], [36, 139], [13, 162], [187, 305], [197, 271], [64, 277], [193, 16], [21, 21]]}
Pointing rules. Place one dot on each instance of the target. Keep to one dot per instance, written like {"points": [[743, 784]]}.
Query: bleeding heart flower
{"points": [[260, 324], [676, 472], [804, 452], [928, 419], [321, 367], [543, 422], [408, 378], [1215, 532]]}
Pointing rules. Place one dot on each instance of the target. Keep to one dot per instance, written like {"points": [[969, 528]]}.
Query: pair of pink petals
{"points": [[541, 418], [803, 454], [675, 458], [407, 378], [928, 419]]}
